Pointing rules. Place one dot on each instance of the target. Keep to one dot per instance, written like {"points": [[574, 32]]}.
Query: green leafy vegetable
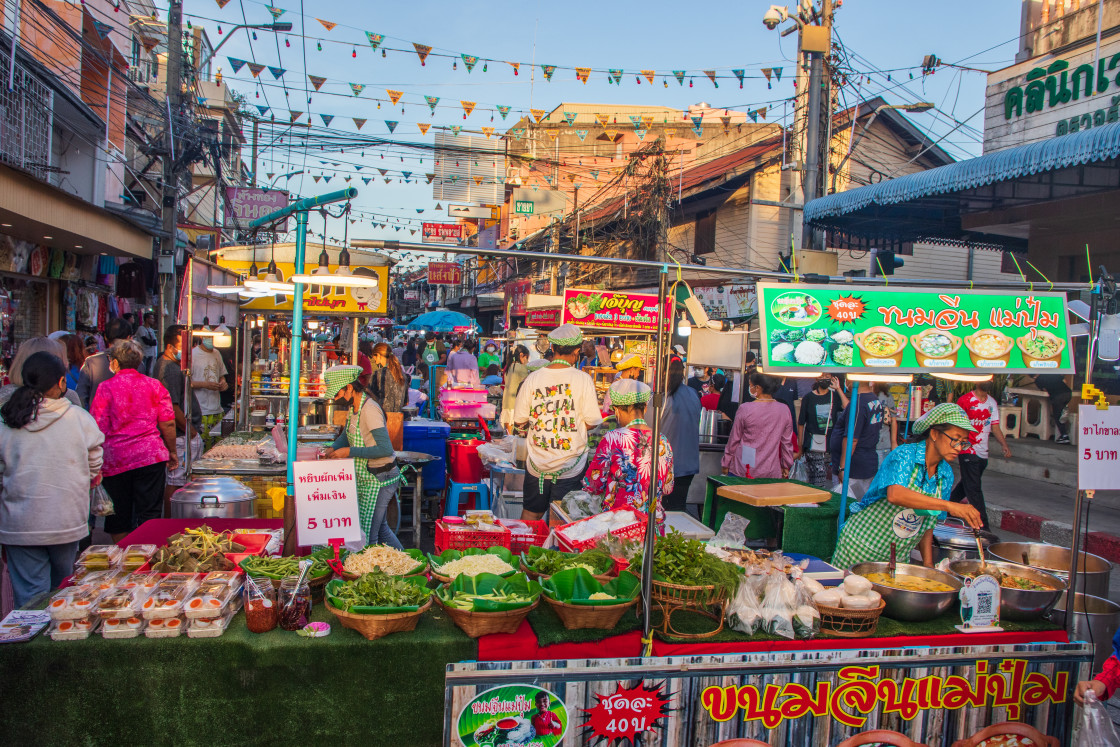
{"points": [[287, 565], [548, 562], [378, 590], [685, 562]]}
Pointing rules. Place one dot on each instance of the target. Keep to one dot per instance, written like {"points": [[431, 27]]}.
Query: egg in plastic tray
{"points": [[166, 601], [209, 627], [190, 580], [74, 602], [73, 630], [137, 555], [164, 627], [104, 580], [146, 581], [121, 602], [129, 627], [210, 600], [100, 557], [234, 579]]}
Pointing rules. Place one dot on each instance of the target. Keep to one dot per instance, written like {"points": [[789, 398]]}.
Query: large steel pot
{"points": [[213, 498], [1095, 620], [953, 540], [1093, 571], [1017, 604], [913, 606]]}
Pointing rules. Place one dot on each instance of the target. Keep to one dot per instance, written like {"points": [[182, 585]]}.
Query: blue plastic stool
{"points": [[480, 489]]}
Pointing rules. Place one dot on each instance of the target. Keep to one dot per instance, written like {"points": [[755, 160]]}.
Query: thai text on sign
{"points": [[326, 502], [442, 233], [1098, 447], [444, 273], [611, 310]]}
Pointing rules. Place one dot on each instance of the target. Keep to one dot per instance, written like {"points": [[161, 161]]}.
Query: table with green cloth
{"points": [[805, 530]]}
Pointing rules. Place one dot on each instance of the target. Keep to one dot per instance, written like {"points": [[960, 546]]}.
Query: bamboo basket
{"points": [[849, 623], [579, 616], [702, 600], [534, 576], [378, 626], [476, 624]]}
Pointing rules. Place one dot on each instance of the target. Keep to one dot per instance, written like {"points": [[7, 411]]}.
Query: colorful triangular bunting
{"points": [[276, 72], [569, 117], [358, 122], [615, 75], [469, 60], [255, 68], [581, 134], [357, 88], [503, 110], [739, 74], [649, 75], [548, 70], [328, 25], [422, 51], [394, 96], [317, 81], [582, 74], [432, 101], [391, 124], [538, 114], [712, 77], [326, 119], [423, 127], [276, 12], [468, 107], [679, 75], [236, 64], [375, 39]]}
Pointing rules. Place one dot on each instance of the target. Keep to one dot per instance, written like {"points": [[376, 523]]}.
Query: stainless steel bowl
{"points": [[1018, 604], [912, 606], [1093, 571]]}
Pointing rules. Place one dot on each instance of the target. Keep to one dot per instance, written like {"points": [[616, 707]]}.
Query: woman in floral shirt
{"points": [[620, 469]]}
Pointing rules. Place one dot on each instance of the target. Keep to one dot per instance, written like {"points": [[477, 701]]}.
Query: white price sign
{"points": [[326, 502], [1098, 448]]}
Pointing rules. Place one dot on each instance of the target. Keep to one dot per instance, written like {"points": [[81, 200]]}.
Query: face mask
{"points": [[208, 344], [178, 355]]}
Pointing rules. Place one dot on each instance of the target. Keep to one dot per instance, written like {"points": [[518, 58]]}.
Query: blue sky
{"points": [[880, 38]]}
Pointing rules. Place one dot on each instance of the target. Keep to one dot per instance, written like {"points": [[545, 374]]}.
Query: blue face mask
{"points": [[178, 355], [208, 344]]}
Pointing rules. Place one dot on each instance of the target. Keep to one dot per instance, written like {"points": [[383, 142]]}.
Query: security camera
{"points": [[774, 16]]}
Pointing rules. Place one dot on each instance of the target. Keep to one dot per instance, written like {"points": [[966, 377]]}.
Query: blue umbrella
{"points": [[442, 321]]}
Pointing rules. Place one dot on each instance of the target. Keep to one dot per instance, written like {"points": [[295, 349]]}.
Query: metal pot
{"points": [[953, 540], [914, 606], [1017, 604], [1095, 620], [213, 498], [1092, 574]]}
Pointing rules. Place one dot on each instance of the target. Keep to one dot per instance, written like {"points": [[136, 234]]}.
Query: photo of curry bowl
{"points": [[880, 346], [989, 348], [935, 349], [1041, 349]]}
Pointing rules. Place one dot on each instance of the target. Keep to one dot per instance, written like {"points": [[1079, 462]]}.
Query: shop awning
{"points": [[973, 202], [33, 211]]}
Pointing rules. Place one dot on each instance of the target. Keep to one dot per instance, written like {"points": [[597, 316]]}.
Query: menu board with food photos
{"points": [[912, 330]]}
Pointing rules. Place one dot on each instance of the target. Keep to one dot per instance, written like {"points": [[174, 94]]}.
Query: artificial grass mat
{"points": [[550, 629], [241, 688], [690, 622]]}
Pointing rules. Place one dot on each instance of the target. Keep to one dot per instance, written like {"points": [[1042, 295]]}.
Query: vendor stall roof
{"points": [[957, 203]]}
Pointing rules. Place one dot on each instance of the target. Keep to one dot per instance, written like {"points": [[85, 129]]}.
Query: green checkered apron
{"points": [[369, 487], [868, 534]]}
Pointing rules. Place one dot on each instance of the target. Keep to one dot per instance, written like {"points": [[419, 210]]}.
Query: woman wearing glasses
{"points": [[909, 493]]}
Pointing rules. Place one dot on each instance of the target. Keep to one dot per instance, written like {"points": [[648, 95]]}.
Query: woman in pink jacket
{"points": [[761, 441]]}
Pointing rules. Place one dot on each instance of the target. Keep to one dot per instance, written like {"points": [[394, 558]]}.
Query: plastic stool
{"points": [[1038, 406], [1009, 420], [480, 489]]}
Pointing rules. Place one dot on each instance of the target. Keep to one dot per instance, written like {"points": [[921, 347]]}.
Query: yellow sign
{"points": [[322, 299]]}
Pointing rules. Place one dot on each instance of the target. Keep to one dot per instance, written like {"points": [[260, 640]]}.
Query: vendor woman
{"points": [[908, 494], [620, 469], [365, 439]]}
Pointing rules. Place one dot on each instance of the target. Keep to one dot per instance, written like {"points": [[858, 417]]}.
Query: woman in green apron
{"points": [[909, 492], [365, 439]]}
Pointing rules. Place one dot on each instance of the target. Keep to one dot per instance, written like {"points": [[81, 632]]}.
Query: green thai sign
{"points": [[512, 716], [911, 330], [1056, 84]]}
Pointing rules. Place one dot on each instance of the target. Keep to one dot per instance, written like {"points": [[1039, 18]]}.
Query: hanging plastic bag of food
{"points": [[779, 603], [1096, 726], [100, 504], [743, 611]]}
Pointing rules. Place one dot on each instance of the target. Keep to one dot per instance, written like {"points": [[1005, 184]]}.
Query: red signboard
{"points": [[517, 296], [611, 310], [543, 318], [245, 204], [444, 273], [442, 233]]}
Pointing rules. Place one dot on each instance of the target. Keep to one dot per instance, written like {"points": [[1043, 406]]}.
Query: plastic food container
{"points": [[189, 580], [100, 557], [164, 628], [74, 602], [137, 555], [146, 581], [126, 628], [209, 601], [104, 580], [209, 628], [72, 630], [233, 579], [120, 603], [166, 601]]}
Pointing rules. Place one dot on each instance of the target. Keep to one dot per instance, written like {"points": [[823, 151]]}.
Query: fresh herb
{"points": [[683, 561], [287, 565], [464, 601], [548, 562], [377, 589]]}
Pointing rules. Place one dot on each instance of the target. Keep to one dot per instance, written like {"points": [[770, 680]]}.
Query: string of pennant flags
{"points": [[615, 76]]}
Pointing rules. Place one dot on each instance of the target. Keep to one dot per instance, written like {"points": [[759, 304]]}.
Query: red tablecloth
{"points": [[523, 645], [156, 531]]}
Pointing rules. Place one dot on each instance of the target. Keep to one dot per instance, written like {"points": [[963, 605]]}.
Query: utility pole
{"points": [[170, 173], [253, 164], [815, 42]]}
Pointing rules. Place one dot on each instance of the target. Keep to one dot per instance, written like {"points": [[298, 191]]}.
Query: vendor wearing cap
{"points": [[908, 494], [555, 407], [630, 367], [620, 469], [365, 439]]}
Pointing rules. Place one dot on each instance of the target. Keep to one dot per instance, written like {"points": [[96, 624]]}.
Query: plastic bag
{"points": [[778, 606], [733, 530], [1096, 726], [579, 504], [100, 504], [743, 612], [806, 618], [799, 470]]}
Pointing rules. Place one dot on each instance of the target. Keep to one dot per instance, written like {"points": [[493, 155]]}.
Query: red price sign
{"points": [[626, 713], [847, 309]]}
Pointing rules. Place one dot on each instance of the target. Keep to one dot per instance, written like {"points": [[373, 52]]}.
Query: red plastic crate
{"points": [[519, 543], [453, 539], [635, 531]]}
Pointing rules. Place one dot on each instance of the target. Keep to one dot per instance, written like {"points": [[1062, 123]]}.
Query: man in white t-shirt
{"points": [[555, 406], [208, 372], [983, 411]]}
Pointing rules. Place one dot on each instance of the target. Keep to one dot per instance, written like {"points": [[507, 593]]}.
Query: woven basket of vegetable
{"points": [[686, 596], [394, 562], [476, 624], [579, 616], [581, 600], [850, 623], [472, 561], [378, 626]]}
